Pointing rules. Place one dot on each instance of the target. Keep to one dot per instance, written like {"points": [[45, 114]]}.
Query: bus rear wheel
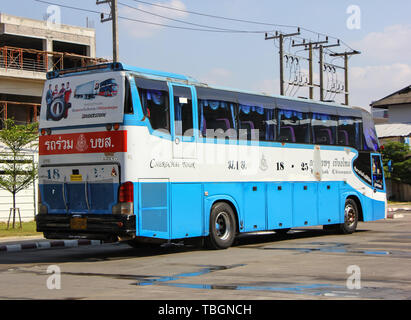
{"points": [[350, 217], [222, 227]]}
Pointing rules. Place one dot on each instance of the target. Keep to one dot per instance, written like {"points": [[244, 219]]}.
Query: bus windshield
{"points": [[85, 99]]}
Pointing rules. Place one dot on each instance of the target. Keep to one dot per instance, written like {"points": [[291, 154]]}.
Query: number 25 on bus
{"points": [[148, 156]]}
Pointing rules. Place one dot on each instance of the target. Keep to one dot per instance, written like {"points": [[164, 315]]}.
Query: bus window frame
{"points": [[194, 107], [377, 189]]}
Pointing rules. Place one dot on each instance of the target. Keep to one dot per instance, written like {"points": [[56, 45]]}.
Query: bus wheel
{"points": [[350, 217], [222, 227]]}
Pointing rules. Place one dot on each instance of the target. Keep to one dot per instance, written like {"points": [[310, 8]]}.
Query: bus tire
{"points": [[351, 213], [222, 227]]}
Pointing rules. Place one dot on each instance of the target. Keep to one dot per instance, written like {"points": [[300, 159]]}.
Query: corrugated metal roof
{"points": [[402, 96], [393, 130]]}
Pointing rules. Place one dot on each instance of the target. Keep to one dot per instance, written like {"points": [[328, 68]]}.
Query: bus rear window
{"points": [[155, 101]]}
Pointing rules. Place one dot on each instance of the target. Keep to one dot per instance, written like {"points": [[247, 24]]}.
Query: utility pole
{"points": [[346, 55], [310, 62], [112, 17], [281, 37]]}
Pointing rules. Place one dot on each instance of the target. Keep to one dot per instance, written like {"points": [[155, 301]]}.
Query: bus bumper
{"points": [[87, 226]]}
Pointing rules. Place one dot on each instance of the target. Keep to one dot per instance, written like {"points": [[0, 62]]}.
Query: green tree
{"points": [[18, 170], [399, 154]]}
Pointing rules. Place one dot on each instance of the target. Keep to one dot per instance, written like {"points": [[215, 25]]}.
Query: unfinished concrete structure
{"points": [[28, 49]]}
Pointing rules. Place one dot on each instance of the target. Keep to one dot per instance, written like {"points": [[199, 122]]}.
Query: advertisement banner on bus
{"points": [[83, 100]]}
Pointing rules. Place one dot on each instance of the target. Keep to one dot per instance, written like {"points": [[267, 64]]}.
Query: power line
{"points": [[240, 20], [189, 23], [154, 23]]}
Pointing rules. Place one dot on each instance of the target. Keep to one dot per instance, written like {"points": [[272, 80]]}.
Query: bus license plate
{"points": [[78, 223]]}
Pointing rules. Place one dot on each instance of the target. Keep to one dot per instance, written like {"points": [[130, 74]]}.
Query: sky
{"points": [[380, 30]]}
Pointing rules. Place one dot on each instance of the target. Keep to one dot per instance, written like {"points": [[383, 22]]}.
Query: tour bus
{"points": [[168, 159]]}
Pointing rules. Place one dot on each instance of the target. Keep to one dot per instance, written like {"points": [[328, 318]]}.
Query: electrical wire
{"points": [[189, 23], [241, 20], [211, 29]]}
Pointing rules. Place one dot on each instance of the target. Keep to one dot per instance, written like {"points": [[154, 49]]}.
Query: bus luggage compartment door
{"points": [[154, 208]]}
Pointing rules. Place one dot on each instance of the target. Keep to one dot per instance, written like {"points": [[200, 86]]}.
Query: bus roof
{"points": [[166, 76]]}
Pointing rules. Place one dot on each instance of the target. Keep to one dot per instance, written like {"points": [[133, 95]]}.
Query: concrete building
{"points": [[392, 116], [28, 49]]}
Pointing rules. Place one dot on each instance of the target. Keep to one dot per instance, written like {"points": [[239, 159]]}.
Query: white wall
{"points": [[399, 114], [26, 200]]}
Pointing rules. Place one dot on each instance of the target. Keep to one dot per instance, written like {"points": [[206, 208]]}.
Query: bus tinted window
{"points": [[128, 101], [256, 123], [324, 129], [293, 126], [349, 132], [183, 112], [216, 118], [370, 135], [156, 107]]}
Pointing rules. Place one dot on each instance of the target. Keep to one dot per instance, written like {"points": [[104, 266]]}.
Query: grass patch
{"points": [[399, 203], [28, 229]]}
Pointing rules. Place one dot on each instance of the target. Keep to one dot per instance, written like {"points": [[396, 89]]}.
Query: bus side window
{"points": [[183, 112], [128, 101], [156, 108], [217, 119], [293, 126], [324, 128], [377, 173], [349, 132], [256, 123]]}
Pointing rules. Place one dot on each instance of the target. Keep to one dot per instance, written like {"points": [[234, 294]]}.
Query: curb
{"points": [[49, 244], [399, 209], [394, 215]]}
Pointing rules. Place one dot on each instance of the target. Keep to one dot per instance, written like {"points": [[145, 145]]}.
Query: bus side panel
{"points": [[254, 206], [280, 205], [329, 203], [379, 209], [305, 204], [186, 210], [229, 192], [154, 209]]}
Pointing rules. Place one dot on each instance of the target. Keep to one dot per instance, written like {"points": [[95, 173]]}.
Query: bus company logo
{"points": [[81, 144], [88, 142], [263, 163]]}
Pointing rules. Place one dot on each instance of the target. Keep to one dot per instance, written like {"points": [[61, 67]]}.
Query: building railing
{"points": [[20, 112], [41, 61]]}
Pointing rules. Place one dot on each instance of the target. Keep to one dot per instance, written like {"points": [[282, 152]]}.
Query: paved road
{"points": [[305, 264]]}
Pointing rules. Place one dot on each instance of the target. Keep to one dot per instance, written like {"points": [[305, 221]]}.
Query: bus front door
{"points": [[378, 186], [183, 125]]}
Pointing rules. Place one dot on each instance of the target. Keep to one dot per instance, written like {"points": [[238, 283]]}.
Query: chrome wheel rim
{"points": [[223, 225], [350, 214]]}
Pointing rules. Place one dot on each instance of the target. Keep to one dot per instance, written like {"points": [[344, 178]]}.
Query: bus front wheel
{"points": [[350, 217], [222, 227]]}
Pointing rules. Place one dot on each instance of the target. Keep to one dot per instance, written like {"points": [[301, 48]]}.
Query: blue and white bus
{"points": [[168, 158]]}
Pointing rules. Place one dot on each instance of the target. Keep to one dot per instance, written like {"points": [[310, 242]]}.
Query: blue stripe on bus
{"points": [[171, 210], [259, 206]]}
